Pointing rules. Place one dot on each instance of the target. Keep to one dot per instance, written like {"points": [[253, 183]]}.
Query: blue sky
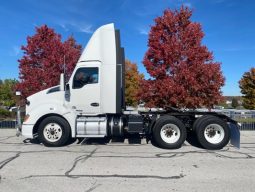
{"points": [[228, 25]]}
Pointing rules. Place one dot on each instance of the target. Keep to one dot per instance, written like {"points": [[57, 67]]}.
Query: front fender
{"points": [[45, 110]]}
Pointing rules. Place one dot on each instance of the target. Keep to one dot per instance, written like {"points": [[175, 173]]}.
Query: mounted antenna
{"points": [[64, 66], [62, 77], [65, 70]]}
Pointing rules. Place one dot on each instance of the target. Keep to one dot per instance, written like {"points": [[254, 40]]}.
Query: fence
{"points": [[246, 121], [247, 126], [8, 124]]}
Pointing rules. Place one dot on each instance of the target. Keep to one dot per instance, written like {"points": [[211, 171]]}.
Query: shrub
{"points": [[4, 113]]}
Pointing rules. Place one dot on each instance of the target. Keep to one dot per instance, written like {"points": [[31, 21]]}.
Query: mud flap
{"points": [[235, 135]]}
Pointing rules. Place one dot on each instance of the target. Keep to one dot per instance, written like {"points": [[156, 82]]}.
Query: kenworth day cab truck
{"points": [[91, 105]]}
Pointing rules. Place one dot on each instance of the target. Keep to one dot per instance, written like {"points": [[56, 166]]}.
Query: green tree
{"points": [[247, 86], [7, 92], [224, 104], [132, 83], [234, 103]]}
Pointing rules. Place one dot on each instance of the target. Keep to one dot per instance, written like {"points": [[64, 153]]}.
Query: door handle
{"points": [[94, 104]]}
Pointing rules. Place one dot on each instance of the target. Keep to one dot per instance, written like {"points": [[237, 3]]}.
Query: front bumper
{"points": [[26, 130]]}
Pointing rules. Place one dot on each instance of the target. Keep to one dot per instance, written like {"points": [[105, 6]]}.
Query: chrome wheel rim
{"points": [[170, 133], [214, 133], [52, 132]]}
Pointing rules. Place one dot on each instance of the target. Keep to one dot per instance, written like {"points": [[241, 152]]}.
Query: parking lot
{"points": [[129, 165]]}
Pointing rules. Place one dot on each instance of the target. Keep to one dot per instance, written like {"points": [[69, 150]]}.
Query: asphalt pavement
{"points": [[124, 165]]}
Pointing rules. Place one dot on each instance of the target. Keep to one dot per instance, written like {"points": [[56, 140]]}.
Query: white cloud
{"points": [[64, 27], [75, 26], [15, 51], [189, 5], [86, 28], [185, 3], [143, 31]]}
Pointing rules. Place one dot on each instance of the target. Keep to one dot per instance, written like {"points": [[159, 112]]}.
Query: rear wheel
{"points": [[213, 133], [169, 132], [54, 131], [199, 120]]}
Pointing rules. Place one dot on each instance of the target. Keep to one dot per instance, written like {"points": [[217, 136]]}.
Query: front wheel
{"points": [[54, 131], [169, 132]]}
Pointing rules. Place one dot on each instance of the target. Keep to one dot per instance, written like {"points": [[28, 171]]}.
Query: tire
{"points": [[169, 132], [199, 120], [213, 133], [54, 131]]}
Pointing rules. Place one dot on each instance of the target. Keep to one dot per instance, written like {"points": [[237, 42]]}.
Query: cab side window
{"points": [[86, 75]]}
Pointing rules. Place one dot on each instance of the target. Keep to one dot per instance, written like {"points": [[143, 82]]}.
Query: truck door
{"points": [[85, 90]]}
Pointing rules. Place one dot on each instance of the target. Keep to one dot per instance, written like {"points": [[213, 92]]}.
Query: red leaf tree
{"points": [[183, 71], [43, 60]]}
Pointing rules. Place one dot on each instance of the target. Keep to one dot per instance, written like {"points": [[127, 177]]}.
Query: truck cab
{"points": [[95, 90]]}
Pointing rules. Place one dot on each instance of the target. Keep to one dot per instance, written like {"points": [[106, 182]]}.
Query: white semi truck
{"points": [[91, 105]]}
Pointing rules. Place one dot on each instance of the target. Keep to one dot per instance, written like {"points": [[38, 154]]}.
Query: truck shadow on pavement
{"points": [[129, 140], [192, 140], [135, 140], [32, 141]]}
